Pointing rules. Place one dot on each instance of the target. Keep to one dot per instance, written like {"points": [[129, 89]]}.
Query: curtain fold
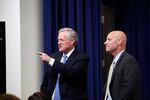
{"points": [[84, 17]]}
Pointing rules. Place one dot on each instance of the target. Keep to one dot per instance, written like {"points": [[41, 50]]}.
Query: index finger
{"points": [[39, 53]]}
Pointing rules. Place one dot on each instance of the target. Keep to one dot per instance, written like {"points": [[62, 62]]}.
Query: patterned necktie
{"points": [[56, 91], [64, 59], [107, 94]]}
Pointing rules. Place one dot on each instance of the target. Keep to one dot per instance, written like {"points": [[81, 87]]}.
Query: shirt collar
{"points": [[118, 56], [69, 53]]}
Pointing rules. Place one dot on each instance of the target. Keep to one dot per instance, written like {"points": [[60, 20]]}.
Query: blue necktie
{"points": [[57, 92]]}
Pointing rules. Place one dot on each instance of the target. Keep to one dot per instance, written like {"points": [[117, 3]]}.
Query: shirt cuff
{"points": [[51, 62]]}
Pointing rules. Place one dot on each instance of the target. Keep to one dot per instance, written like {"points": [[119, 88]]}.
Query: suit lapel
{"points": [[117, 64], [72, 55]]}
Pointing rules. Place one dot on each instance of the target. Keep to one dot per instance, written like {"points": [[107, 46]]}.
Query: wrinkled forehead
{"points": [[62, 34]]}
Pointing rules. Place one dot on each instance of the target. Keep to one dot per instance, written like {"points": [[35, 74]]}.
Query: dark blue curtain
{"points": [[84, 17], [133, 16]]}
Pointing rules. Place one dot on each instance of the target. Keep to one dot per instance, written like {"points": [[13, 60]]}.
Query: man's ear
{"points": [[72, 42], [119, 41]]}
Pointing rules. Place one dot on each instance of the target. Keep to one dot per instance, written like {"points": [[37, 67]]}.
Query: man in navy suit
{"points": [[72, 74], [123, 81]]}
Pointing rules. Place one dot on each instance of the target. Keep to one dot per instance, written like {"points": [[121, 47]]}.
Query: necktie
{"points": [[56, 91], [64, 59], [107, 94]]}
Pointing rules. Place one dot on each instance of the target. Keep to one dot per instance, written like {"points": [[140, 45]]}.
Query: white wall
{"points": [[31, 38], [23, 39]]}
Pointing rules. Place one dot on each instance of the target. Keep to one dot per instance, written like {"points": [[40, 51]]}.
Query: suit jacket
{"points": [[125, 82], [73, 76]]}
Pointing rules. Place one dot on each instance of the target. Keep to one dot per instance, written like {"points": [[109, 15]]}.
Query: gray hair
{"points": [[71, 34]]}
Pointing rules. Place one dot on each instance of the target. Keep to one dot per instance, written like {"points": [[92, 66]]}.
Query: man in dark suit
{"points": [[123, 81], [72, 74]]}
